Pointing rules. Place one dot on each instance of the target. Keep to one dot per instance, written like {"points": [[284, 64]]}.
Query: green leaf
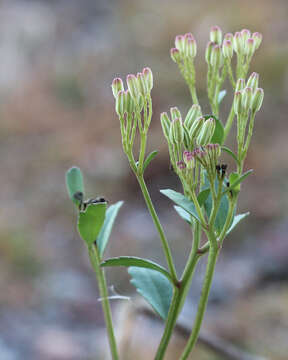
{"points": [[90, 222], [203, 195], [230, 152], [236, 221], [149, 158], [238, 181], [106, 229], [182, 201], [154, 287], [129, 261], [221, 96], [218, 135], [183, 214], [223, 207], [74, 183]]}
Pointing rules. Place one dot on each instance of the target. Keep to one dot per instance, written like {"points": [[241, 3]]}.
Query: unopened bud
{"points": [[165, 122], [247, 96], [238, 42], [216, 56], [249, 47], [193, 113], [246, 34], [227, 49], [148, 76], [253, 81], [206, 132], [240, 84], [142, 84], [189, 159], [257, 39], [129, 103], [237, 102], [180, 43], [120, 105], [176, 135], [117, 85], [132, 84], [208, 52], [216, 35], [196, 127], [257, 99], [229, 36], [175, 55], [175, 113]]}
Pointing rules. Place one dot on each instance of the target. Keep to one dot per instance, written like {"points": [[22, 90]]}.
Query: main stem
{"points": [[95, 261], [158, 226], [202, 302]]}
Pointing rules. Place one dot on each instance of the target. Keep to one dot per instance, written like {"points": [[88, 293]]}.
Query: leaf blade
{"points": [[237, 219], [149, 158], [74, 182]]}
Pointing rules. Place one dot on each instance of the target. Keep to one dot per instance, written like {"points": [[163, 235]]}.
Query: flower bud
{"points": [[240, 84], [142, 84], [181, 165], [238, 42], [237, 102], [133, 87], [216, 56], [206, 132], [176, 135], [249, 47], [190, 48], [196, 127], [175, 55], [227, 49], [189, 159], [208, 52], [148, 76], [120, 105], [216, 35], [257, 100], [247, 96], [165, 122], [175, 113], [180, 43], [117, 85], [193, 113], [253, 81], [229, 36], [129, 103], [246, 34], [257, 39]]}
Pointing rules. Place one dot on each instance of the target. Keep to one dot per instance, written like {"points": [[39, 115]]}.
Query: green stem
{"points": [[229, 123], [213, 253], [180, 295], [158, 226], [95, 261]]}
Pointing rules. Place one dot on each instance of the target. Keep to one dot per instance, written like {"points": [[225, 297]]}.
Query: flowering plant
{"points": [[195, 143]]}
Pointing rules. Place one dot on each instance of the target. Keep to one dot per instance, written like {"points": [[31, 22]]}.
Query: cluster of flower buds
{"points": [[139, 88], [248, 97], [185, 48], [242, 42]]}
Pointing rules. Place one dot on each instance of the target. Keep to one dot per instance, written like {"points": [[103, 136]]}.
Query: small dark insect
{"points": [[83, 204]]}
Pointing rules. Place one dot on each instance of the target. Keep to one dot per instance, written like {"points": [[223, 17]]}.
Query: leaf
{"points": [[236, 221], [238, 181], [230, 152], [218, 135], [223, 207], [154, 287], [149, 158], [133, 261], [221, 96], [106, 229], [90, 222], [202, 196], [74, 183], [183, 214], [182, 201]]}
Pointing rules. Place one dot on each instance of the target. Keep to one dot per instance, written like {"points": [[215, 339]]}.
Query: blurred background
{"points": [[57, 61]]}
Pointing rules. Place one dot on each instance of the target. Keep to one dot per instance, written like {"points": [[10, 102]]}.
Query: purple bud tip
{"points": [[174, 51], [237, 35], [228, 36], [250, 41], [130, 77], [238, 93], [116, 81], [257, 35], [216, 47], [215, 28], [147, 70], [227, 43], [189, 36], [188, 156], [179, 38], [181, 165], [245, 32]]}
